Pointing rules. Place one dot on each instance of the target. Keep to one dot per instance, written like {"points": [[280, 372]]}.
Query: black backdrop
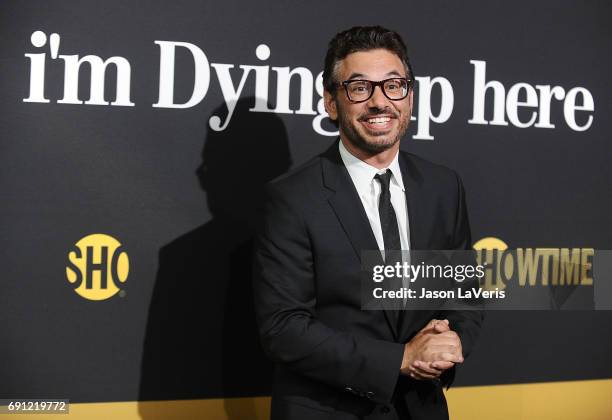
{"points": [[173, 190]]}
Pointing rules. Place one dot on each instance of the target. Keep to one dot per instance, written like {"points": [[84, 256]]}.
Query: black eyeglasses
{"points": [[358, 90]]}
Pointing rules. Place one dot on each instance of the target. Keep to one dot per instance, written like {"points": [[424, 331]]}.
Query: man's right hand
{"points": [[434, 349]]}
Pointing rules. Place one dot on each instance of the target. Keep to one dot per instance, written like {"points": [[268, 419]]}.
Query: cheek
{"points": [[347, 114], [405, 109], [353, 113]]}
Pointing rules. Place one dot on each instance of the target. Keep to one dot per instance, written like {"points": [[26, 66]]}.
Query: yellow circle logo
{"points": [[97, 266], [490, 243]]}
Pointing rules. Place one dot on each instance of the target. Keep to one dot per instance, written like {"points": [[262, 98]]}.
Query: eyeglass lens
{"points": [[361, 90]]}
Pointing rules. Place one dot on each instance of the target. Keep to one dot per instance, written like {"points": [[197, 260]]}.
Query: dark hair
{"points": [[361, 38]]}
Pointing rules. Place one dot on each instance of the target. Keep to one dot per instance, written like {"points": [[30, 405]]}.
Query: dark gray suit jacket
{"points": [[333, 359]]}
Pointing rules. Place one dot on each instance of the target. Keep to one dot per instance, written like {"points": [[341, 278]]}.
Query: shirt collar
{"points": [[363, 173]]}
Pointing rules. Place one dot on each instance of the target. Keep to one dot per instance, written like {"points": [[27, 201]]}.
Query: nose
{"points": [[378, 98]]}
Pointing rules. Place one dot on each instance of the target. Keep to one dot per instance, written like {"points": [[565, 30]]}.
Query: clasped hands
{"points": [[431, 351]]}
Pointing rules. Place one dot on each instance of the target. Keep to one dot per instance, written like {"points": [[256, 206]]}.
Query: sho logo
{"points": [[97, 266]]}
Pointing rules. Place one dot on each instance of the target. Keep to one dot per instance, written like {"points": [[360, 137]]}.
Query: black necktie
{"points": [[391, 235]]}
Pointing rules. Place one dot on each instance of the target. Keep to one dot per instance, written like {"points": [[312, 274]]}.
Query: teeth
{"points": [[379, 120]]}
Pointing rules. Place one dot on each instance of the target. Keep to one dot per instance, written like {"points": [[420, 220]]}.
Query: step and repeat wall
{"points": [[135, 140]]}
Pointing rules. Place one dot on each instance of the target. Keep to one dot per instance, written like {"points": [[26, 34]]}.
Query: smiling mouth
{"points": [[377, 123], [378, 120]]}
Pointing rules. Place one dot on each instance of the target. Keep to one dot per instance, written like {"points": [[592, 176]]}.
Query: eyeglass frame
{"points": [[380, 83]]}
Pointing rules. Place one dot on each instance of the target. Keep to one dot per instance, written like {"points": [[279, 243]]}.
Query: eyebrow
{"points": [[361, 75]]}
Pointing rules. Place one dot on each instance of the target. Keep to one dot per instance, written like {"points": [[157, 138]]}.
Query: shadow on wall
{"points": [[201, 339]]}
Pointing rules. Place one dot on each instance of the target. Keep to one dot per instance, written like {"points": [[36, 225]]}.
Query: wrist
{"points": [[406, 359]]}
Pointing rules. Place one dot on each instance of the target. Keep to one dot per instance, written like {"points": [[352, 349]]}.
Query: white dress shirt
{"points": [[368, 189]]}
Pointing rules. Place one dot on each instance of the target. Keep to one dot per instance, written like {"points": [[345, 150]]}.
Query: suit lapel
{"points": [[346, 203], [417, 216], [349, 210], [415, 198]]}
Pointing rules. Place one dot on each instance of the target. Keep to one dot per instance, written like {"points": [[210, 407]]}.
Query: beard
{"points": [[378, 141]]}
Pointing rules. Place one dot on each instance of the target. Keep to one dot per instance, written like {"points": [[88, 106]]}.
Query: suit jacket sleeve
{"points": [[285, 306]]}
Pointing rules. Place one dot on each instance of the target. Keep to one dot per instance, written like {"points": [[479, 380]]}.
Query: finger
{"points": [[431, 324], [450, 334], [441, 327], [440, 348], [442, 365], [447, 338], [441, 340], [421, 375], [429, 327], [426, 368], [416, 376], [447, 357], [433, 349]]}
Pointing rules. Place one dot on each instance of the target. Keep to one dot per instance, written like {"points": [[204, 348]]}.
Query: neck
{"points": [[379, 160]]}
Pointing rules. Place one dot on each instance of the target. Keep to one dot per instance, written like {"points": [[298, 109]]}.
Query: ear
{"points": [[410, 96], [330, 105]]}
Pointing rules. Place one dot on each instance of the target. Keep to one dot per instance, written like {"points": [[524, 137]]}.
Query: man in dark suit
{"points": [[333, 359]]}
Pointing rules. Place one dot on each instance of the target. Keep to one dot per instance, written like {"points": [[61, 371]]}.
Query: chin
{"points": [[377, 146], [381, 140]]}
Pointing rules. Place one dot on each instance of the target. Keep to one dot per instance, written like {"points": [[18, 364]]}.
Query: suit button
{"points": [[384, 409], [369, 395], [349, 389]]}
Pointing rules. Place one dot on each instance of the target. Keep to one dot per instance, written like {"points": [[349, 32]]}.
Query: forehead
{"points": [[373, 64]]}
